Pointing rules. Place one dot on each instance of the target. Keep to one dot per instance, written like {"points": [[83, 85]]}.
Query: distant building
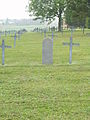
{"points": [[65, 26]]}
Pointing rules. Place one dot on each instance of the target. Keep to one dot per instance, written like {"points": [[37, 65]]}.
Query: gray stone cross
{"points": [[44, 33], [19, 35], [3, 46], [70, 50], [52, 35], [0, 35], [15, 36]]}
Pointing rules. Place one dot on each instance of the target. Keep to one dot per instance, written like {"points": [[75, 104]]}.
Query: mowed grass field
{"points": [[32, 91]]}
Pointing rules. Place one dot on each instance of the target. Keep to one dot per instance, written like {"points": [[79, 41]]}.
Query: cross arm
{"points": [[53, 35], [75, 44], [66, 43], [8, 47]]}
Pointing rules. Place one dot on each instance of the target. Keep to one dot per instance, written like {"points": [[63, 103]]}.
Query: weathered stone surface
{"points": [[47, 51]]}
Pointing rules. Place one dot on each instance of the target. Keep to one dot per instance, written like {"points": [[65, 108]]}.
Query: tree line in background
{"points": [[75, 12]]}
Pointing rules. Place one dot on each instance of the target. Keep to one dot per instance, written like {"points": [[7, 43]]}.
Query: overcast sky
{"points": [[13, 9]]}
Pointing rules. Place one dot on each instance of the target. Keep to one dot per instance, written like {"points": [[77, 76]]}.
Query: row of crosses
{"points": [[71, 44], [3, 46]]}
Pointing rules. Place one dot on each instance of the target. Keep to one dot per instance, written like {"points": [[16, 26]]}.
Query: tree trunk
{"points": [[83, 29], [60, 21]]}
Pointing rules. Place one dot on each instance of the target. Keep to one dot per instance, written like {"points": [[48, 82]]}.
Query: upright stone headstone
{"points": [[47, 51]]}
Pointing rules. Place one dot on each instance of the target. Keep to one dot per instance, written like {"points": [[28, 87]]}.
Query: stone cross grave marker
{"points": [[47, 51], [52, 35], [70, 49], [15, 40], [9, 32], [5, 33], [44, 33], [0, 35], [19, 35], [3, 46]]}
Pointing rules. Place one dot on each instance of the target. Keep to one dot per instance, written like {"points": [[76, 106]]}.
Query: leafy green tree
{"points": [[89, 23], [89, 14], [47, 10], [76, 12], [88, 4]]}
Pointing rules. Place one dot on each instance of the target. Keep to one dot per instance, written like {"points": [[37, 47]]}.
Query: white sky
{"points": [[13, 9]]}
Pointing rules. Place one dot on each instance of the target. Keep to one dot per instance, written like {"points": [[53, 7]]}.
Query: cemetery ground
{"points": [[32, 91]]}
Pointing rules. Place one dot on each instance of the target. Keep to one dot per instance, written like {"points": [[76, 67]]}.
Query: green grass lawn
{"points": [[32, 91]]}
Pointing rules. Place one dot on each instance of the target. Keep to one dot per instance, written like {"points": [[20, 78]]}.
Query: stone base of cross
{"points": [[3, 46], [70, 50]]}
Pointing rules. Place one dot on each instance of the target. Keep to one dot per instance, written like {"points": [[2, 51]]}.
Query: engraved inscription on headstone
{"points": [[47, 51]]}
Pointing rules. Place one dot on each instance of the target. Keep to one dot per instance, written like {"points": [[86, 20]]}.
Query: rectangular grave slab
{"points": [[47, 51]]}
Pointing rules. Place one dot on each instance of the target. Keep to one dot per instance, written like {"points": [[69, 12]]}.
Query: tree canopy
{"points": [[75, 11], [47, 9]]}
